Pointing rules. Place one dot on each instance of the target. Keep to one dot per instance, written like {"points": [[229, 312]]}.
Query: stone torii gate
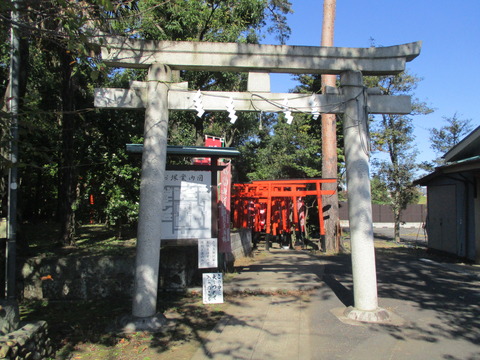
{"points": [[161, 93]]}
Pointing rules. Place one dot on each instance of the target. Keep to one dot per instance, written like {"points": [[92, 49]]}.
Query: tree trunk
{"points": [[66, 191], [396, 231], [199, 132]]}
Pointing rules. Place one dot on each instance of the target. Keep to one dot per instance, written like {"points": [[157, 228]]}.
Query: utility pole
{"points": [[13, 101], [329, 139]]}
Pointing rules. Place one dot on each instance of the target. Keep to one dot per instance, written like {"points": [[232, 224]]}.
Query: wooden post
{"points": [[329, 137]]}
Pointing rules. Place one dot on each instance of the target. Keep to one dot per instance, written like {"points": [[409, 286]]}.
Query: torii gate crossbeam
{"points": [[136, 98], [212, 56]]}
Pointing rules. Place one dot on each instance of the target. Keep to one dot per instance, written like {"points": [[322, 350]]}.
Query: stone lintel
{"points": [[143, 85], [243, 101], [240, 57], [374, 91], [385, 104], [134, 98]]}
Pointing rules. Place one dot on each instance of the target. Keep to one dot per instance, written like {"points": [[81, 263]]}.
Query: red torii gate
{"points": [[275, 197]]}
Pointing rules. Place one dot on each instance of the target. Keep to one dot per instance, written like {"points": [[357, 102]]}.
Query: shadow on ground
{"points": [[440, 305]]}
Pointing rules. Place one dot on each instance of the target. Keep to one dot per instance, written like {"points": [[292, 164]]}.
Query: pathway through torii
{"points": [[160, 93]]}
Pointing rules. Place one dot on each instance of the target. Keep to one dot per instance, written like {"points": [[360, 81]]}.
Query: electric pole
{"points": [[329, 139]]}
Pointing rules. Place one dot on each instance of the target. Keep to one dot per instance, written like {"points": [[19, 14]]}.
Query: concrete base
{"points": [[130, 324], [378, 315], [353, 316]]}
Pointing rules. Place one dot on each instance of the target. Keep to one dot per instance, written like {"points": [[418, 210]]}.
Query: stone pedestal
{"points": [[378, 315], [130, 324]]}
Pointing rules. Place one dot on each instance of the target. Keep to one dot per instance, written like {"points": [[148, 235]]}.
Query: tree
{"points": [[327, 155], [212, 20], [68, 151], [288, 151], [449, 135], [380, 193], [393, 135], [56, 55], [283, 151]]}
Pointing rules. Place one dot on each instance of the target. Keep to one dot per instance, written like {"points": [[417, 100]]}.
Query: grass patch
{"points": [[422, 200], [97, 239]]}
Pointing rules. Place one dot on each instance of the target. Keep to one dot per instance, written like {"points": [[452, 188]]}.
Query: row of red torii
{"points": [[277, 206], [162, 91]]}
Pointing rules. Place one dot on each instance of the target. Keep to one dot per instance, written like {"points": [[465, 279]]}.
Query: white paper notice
{"points": [[213, 288], [207, 253]]}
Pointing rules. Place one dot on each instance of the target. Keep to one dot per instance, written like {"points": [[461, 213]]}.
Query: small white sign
{"points": [[207, 253], [212, 288]]}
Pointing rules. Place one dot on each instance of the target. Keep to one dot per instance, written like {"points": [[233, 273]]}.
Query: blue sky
{"points": [[450, 31]]}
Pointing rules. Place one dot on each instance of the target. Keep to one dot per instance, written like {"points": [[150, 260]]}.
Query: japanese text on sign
{"points": [[207, 253], [186, 212], [212, 288]]}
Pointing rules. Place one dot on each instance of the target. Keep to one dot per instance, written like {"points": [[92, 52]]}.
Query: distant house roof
{"points": [[466, 165], [463, 157], [467, 148]]}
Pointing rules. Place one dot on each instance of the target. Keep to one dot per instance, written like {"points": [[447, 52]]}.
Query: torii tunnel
{"points": [[274, 206]]}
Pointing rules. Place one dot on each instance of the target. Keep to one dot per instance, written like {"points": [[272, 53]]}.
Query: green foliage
{"points": [[380, 194], [70, 151], [313, 84], [220, 21], [212, 20], [289, 151], [97, 137], [4, 58], [4, 116], [393, 135], [446, 137], [120, 189], [57, 64]]}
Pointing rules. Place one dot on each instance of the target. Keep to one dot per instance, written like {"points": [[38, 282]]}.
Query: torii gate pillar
{"points": [[357, 146], [150, 219]]}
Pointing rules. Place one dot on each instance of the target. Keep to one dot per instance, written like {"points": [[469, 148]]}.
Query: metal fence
{"points": [[384, 213]]}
